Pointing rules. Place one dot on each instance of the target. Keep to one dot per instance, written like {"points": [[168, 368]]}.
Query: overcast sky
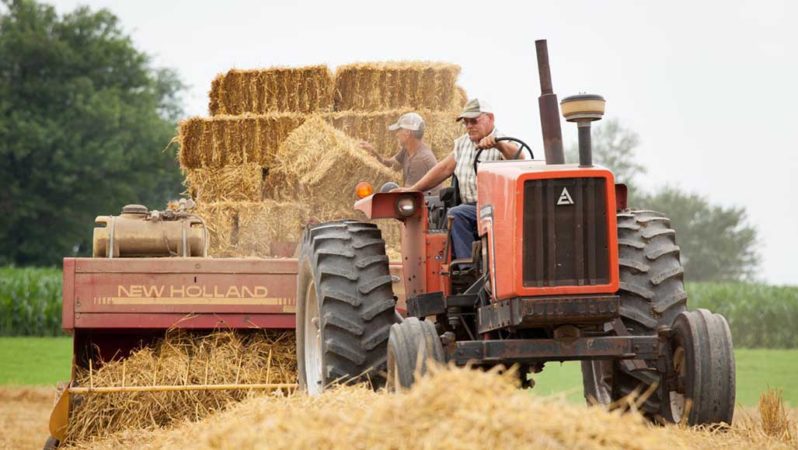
{"points": [[710, 86]]}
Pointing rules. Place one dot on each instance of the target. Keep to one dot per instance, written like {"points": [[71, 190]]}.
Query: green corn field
{"points": [[760, 316], [30, 301]]}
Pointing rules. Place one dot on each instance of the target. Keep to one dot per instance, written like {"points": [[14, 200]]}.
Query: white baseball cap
{"points": [[474, 108], [408, 121]]}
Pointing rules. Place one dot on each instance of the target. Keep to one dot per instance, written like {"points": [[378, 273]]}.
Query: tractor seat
{"points": [[462, 266]]}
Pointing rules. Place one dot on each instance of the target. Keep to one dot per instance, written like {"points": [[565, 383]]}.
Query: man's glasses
{"points": [[467, 121]]}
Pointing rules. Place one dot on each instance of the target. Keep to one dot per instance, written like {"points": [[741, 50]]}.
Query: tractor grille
{"points": [[565, 232]]}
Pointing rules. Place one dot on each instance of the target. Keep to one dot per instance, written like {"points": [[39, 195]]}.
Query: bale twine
{"points": [[181, 358], [278, 89], [397, 85]]}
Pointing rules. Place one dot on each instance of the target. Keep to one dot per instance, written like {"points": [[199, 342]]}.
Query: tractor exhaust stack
{"points": [[549, 109]]}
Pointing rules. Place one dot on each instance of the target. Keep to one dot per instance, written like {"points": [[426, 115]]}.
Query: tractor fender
{"points": [[382, 205]]}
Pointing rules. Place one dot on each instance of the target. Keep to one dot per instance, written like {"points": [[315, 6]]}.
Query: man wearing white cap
{"points": [[481, 133], [414, 158]]}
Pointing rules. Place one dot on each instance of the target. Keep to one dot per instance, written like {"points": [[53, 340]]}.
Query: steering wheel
{"points": [[511, 139]]}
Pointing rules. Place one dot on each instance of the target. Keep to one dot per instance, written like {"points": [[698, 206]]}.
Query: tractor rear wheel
{"points": [[702, 390], [413, 345], [651, 294], [345, 305]]}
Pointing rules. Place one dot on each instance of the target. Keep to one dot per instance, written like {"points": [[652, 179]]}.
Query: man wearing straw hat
{"points": [[414, 158], [481, 133]]}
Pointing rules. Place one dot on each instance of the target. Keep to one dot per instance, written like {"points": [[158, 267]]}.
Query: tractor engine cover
{"points": [[138, 232]]}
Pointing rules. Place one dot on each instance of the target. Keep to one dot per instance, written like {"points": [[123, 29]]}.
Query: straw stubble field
{"points": [[24, 413], [451, 409]]}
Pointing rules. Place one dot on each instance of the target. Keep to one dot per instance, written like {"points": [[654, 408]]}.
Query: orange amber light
{"points": [[364, 189]]}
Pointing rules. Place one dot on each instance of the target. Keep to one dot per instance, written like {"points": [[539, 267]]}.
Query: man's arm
{"points": [[392, 162], [437, 175]]}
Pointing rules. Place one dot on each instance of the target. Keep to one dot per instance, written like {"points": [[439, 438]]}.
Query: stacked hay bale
{"points": [[226, 158], [281, 146], [369, 97]]}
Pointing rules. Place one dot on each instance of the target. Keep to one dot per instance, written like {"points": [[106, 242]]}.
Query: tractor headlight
{"points": [[406, 206]]}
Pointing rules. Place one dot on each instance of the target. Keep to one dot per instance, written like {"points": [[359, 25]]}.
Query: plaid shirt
{"points": [[464, 152]]}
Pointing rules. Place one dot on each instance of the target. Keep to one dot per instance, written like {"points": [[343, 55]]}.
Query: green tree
{"points": [[85, 121], [717, 243], [614, 147]]}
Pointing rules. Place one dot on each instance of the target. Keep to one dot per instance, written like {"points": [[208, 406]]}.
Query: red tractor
{"points": [[562, 270]]}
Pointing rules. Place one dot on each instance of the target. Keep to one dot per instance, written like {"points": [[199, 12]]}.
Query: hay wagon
{"points": [[150, 273]]}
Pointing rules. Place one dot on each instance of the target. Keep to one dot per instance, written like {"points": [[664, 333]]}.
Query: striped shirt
{"points": [[464, 152]]}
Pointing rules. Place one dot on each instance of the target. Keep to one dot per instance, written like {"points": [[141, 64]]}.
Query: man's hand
{"points": [[402, 189], [487, 142], [507, 149], [367, 147]]}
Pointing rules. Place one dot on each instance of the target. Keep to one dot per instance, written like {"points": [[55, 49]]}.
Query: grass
{"points": [[757, 370], [35, 360], [46, 361]]}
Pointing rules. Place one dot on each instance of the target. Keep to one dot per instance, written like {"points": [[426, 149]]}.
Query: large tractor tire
{"points": [[703, 388], [652, 294], [345, 305], [412, 346]]}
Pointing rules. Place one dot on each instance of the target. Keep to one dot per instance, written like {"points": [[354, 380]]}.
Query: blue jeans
{"points": [[464, 229]]}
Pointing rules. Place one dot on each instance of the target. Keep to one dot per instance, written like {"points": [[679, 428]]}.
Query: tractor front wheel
{"points": [[652, 295], [701, 388], [412, 346]]}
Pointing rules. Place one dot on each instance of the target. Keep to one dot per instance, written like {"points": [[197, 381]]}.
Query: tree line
{"points": [[717, 243], [84, 121]]}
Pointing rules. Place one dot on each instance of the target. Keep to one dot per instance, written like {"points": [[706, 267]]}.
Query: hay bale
{"points": [[269, 228], [391, 230], [322, 165], [372, 126], [221, 221], [181, 358], [253, 229], [397, 85], [278, 89], [242, 182], [234, 140]]}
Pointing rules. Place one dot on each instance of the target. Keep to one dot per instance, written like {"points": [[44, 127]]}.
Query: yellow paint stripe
{"points": [[197, 301]]}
